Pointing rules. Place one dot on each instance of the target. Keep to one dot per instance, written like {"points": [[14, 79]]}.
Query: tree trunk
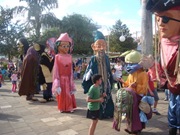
{"points": [[146, 30]]}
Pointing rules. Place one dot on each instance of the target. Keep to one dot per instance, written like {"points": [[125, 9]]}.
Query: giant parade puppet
{"points": [[29, 69], [99, 64], [46, 69], [167, 13], [131, 100], [63, 81]]}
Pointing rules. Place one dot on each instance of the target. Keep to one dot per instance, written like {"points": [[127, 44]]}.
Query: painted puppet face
{"points": [[169, 28], [20, 47], [36, 46], [64, 47], [99, 46]]}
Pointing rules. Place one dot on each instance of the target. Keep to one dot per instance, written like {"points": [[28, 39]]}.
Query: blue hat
{"points": [[98, 35], [161, 5]]}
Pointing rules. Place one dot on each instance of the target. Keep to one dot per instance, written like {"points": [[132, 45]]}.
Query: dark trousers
{"points": [[119, 85], [47, 94]]}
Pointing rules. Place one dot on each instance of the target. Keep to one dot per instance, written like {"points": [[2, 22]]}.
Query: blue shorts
{"points": [[156, 97]]}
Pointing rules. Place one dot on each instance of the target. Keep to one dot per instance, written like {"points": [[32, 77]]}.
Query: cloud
{"points": [[140, 12], [107, 18], [133, 25]]}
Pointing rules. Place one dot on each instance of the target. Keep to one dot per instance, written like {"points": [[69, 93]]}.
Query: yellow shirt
{"points": [[141, 79]]}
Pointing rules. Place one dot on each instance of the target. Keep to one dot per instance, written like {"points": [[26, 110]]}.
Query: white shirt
{"points": [[118, 70]]}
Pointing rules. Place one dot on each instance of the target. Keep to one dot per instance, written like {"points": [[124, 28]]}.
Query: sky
{"points": [[103, 12]]}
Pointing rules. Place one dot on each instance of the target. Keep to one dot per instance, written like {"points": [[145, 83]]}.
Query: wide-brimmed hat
{"points": [[161, 5], [145, 107], [133, 57]]}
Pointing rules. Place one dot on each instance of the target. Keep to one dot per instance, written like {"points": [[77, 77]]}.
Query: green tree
{"points": [[48, 33], [80, 28], [36, 19], [117, 46], [9, 33]]}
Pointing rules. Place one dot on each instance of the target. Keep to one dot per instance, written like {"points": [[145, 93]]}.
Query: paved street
{"points": [[21, 117]]}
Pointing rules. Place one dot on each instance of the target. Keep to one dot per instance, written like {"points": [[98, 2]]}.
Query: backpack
{"points": [[123, 105]]}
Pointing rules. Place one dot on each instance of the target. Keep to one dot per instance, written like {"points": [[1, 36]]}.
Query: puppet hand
{"points": [[88, 75], [72, 92], [58, 90], [147, 61], [44, 86]]}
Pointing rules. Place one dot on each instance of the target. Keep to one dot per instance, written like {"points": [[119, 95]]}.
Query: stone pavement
{"points": [[21, 117]]}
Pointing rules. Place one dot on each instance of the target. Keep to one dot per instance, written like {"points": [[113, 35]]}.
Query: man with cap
{"points": [[63, 82], [167, 14], [99, 64]]}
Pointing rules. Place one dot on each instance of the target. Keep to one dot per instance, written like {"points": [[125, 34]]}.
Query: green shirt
{"points": [[94, 93]]}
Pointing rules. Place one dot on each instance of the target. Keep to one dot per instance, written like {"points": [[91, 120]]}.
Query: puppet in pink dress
{"points": [[63, 83]]}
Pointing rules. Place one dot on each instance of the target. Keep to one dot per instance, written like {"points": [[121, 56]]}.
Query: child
{"points": [[14, 78], [94, 99]]}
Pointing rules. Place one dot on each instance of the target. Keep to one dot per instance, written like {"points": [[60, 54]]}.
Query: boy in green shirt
{"points": [[94, 99]]}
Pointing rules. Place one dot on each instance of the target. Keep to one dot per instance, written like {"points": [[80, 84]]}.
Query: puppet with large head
{"points": [[167, 14], [63, 82], [63, 44], [99, 45], [100, 64], [23, 46]]}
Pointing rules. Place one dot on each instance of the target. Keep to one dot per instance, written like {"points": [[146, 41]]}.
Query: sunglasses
{"points": [[166, 19]]}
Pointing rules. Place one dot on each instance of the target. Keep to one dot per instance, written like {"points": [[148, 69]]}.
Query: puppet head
{"points": [[99, 45], [39, 48], [132, 59], [167, 15], [50, 43], [63, 44], [22, 45]]}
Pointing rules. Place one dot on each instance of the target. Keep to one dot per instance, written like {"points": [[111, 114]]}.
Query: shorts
{"points": [[94, 115], [156, 97], [13, 82], [0, 85]]}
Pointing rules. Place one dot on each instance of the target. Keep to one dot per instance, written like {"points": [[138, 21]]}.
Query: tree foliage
{"points": [[80, 28], [9, 33], [117, 46], [36, 19]]}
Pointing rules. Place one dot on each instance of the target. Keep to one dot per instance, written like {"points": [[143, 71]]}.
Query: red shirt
{"points": [[150, 82], [1, 78]]}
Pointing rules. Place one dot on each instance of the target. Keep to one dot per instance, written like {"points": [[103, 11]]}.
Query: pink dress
{"points": [[63, 78]]}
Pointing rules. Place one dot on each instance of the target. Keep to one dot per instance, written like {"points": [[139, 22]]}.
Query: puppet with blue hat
{"points": [[100, 64]]}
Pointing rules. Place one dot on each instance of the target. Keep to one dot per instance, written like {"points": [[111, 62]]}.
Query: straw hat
{"points": [[133, 57], [145, 107]]}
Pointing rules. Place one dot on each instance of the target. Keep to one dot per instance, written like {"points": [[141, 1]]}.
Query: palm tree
{"points": [[35, 16]]}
